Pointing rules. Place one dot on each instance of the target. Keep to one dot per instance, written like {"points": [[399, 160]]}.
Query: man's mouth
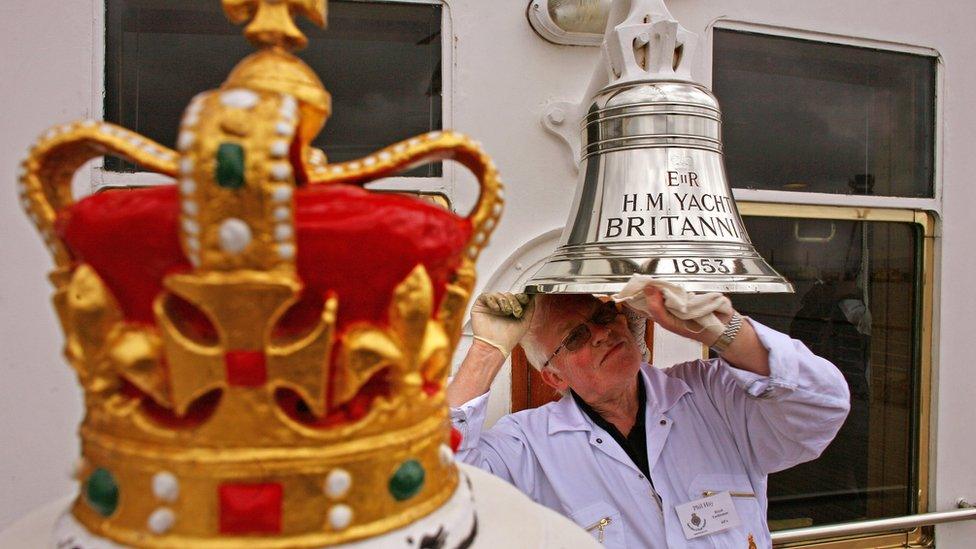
{"points": [[613, 349]]}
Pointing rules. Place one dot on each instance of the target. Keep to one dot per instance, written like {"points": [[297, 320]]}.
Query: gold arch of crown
{"points": [[247, 435]]}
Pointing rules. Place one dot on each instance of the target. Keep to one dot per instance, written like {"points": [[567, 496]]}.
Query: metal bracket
{"points": [[562, 119]]}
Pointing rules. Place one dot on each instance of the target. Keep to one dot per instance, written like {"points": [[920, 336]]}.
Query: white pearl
{"points": [[239, 98], [446, 455], [286, 251], [190, 226], [433, 135], [283, 128], [161, 520], [369, 161], [186, 166], [281, 193], [186, 140], [190, 207], [196, 104], [165, 486], [337, 484], [283, 232], [281, 171], [191, 118], [282, 213], [193, 244], [289, 106], [340, 516], [385, 156], [279, 149], [188, 186], [337, 169], [234, 235], [399, 148], [87, 123]]}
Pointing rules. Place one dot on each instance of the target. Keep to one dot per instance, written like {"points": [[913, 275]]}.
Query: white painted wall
{"points": [[503, 75]]}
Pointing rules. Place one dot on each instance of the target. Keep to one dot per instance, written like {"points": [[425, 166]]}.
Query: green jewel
{"points": [[230, 165], [102, 492], [406, 482]]}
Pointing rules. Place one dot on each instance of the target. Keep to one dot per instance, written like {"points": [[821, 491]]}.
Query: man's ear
{"points": [[554, 380]]}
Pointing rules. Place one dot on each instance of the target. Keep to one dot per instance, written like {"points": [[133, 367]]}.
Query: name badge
{"points": [[707, 516]]}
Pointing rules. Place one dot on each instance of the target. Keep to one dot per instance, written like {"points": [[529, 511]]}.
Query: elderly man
{"points": [[629, 445]]}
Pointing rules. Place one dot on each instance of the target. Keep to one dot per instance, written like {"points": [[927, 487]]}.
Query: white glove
{"points": [[696, 310], [500, 319]]}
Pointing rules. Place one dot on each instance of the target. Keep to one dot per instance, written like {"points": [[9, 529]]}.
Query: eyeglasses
{"points": [[578, 336]]}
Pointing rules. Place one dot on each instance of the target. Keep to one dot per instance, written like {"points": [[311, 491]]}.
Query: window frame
{"points": [[926, 222], [926, 213], [95, 177]]}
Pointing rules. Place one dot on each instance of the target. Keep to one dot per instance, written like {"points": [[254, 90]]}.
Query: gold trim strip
{"points": [[415, 151], [927, 221], [45, 178]]}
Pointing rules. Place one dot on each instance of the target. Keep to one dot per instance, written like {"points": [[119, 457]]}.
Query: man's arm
{"points": [[476, 373], [780, 419], [782, 402], [498, 321], [745, 352]]}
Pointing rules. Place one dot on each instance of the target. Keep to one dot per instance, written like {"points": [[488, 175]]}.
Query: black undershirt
{"points": [[635, 443]]}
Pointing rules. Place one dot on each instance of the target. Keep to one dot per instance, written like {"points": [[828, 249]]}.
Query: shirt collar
{"points": [[662, 390]]}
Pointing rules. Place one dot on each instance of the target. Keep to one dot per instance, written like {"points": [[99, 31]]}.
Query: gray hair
{"points": [[546, 305]]}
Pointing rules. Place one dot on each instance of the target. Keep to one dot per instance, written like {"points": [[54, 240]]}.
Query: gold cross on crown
{"points": [[271, 21]]}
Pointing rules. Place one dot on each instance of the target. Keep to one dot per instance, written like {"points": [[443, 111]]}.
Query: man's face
{"points": [[605, 364]]}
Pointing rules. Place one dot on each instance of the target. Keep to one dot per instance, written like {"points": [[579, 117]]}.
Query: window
{"points": [[810, 117], [807, 116], [381, 62]]}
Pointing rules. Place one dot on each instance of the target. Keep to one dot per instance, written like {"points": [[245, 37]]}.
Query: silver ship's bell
{"points": [[653, 197]]}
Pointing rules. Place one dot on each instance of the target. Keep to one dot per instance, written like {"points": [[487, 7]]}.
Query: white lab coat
{"points": [[710, 428]]}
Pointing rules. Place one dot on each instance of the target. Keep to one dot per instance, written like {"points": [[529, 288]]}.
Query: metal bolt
{"points": [[557, 116]]}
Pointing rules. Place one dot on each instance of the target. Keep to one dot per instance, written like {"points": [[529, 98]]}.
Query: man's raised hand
{"points": [[500, 319]]}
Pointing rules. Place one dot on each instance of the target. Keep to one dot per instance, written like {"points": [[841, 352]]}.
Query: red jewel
{"points": [[455, 439], [250, 508], [245, 368]]}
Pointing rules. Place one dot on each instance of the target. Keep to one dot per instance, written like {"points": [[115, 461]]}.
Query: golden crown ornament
{"points": [[263, 345]]}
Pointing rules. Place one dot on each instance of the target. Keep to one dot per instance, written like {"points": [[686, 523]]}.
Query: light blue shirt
{"points": [[710, 428]]}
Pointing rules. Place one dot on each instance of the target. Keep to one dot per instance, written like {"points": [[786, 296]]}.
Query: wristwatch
{"points": [[728, 335]]}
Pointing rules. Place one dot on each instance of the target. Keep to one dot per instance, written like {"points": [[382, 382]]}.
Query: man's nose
{"points": [[601, 333]]}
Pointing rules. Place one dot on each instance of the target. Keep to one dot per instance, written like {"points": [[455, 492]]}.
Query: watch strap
{"points": [[728, 335]]}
